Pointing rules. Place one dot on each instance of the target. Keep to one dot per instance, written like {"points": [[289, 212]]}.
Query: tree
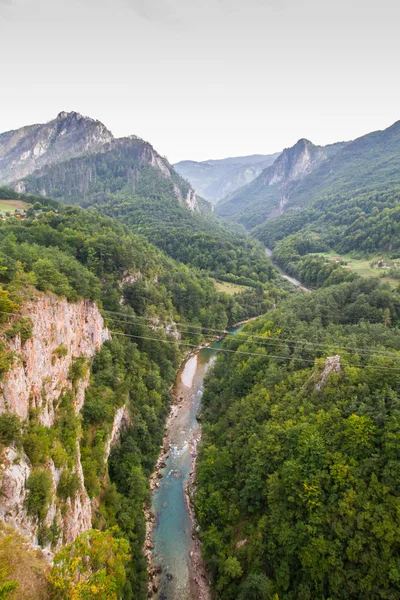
{"points": [[92, 567]]}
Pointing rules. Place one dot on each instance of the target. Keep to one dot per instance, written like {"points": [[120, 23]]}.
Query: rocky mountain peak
{"points": [[30, 148], [294, 163]]}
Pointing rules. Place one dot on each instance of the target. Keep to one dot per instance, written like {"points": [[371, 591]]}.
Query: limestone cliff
{"points": [[24, 150], [62, 332]]}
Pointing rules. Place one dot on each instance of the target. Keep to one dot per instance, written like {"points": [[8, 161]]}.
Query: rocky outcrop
{"points": [[332, 365], [294, 163], [33, 147], [121, 422], [61, 333], [71, 519]]}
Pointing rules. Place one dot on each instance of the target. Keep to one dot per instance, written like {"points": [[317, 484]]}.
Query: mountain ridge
{"points": [[73, 156], [346, 167]]}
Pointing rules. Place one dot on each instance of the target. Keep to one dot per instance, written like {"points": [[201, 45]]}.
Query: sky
{"points": [[204, 79]]}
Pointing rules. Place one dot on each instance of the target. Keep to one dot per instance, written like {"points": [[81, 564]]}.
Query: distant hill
{"points": [[215, 179]]}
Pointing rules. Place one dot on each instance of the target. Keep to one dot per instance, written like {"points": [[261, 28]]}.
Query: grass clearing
{"points": [[11, 205], [226, 287], [360, 266]]}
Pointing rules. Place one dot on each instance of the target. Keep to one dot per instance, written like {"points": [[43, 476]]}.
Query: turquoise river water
{"points": [[174, 548]]}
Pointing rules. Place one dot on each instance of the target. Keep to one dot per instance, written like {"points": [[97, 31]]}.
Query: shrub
{"points": [[68, 485], [22, 327], [10, 428], [39, 485], [93, 566]]}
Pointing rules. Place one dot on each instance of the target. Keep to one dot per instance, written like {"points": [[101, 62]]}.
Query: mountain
{"points": [[268, 194], [127, 179], [370, 162], [349, 210], [215, 179], [24, 150], [74, 157], [121, 165]]}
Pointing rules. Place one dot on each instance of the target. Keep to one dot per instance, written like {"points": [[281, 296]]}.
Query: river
{"points": [[293, 280], [176, 551]]}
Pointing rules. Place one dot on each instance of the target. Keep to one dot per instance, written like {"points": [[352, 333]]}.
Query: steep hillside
{"points": [[297, 480], [215, 179], [126, 178], [269, 193], [24, 150], [368, 164], [123, 165]]}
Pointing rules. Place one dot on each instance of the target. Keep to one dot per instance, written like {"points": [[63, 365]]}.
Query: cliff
{"points": [[24, 150], [76, 158], [36, 384]]}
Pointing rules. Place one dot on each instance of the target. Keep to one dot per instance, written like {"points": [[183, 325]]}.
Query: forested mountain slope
{"points": [[297, 485], [215, 179], [126, 178], [58, 268], [368, 164], [270, 192], [366, 225]]}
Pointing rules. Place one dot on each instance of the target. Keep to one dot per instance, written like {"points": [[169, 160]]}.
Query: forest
{"points": [[365, 221], [80, 253], [297, 481]]}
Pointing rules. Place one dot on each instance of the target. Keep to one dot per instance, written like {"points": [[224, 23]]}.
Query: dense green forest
{"points": [[297, 483], [80, 253], [124, 183], [364, 222]]}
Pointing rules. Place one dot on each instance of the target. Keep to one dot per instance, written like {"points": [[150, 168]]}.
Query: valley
{"points": [[123, 385]]}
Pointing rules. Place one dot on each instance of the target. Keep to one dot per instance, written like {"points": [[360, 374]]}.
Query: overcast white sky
{"points": [[204, 78]]}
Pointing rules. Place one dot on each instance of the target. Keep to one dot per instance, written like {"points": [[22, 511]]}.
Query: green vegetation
{"points": [[22, 569], [10, 428], [12, 205], [144, 294], [39, 486], [91, 567], [298, 487], [293, 255], [366, 222]]}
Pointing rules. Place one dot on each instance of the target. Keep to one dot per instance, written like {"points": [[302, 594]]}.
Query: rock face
{"points": [[270, 194], [61, 333], [24, 150], [332, 365], [122, 421], [294, 163], [72, 156]]}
